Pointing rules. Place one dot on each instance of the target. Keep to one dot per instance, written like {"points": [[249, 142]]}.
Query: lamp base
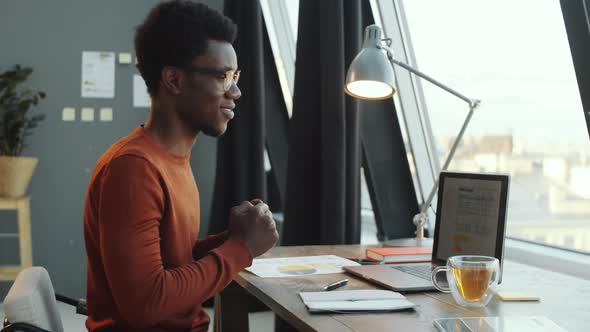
{"points": [[409, 242]]}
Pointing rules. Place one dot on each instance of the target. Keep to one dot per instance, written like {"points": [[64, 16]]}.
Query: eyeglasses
{"points": [[228, 77]]}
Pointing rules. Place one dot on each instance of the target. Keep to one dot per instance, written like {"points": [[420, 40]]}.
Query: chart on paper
{"points": [[298, 266]]}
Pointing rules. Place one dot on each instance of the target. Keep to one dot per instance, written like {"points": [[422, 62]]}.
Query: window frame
{"points": [[409, 101], [283, 49], [548, 257]]}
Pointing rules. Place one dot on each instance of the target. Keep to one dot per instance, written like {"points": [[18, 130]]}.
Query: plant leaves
{"points": [[16, 103]]}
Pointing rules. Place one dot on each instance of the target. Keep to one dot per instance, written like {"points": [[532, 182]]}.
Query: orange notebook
{"points": [[399, 254]]}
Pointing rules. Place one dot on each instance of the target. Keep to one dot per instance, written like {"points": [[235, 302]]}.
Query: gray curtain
{"points": [[240, 171], [322, 204]]}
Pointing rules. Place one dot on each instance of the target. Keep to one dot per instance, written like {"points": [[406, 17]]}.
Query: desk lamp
{"points": [[370, 77]]}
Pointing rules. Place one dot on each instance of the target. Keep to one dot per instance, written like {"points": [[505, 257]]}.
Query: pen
{"points": [[335, 285]]}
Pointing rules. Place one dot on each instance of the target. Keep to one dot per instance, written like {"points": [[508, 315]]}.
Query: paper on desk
{"points": [[351, 295], [355, 300], [298, 266]]}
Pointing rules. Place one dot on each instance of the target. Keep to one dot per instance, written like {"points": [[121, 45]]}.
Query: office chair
{"points": [[30, 305]]}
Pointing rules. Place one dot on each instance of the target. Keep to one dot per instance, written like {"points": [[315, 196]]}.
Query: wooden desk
{"points": [[564, 299]]}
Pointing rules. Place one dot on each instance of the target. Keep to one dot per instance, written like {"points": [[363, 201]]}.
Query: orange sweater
{"points": [[146, 269]]}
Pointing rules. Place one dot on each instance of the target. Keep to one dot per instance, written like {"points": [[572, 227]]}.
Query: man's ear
{"points": [[173, 80]]}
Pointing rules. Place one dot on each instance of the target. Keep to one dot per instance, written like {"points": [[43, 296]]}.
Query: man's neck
{"points": [[169, 131]]}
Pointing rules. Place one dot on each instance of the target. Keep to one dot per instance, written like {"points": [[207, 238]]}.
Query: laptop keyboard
{"points": [[423, 271]]}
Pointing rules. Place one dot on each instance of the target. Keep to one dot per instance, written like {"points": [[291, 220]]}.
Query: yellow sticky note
{"points": [[106, 114], [68, 114], [87, 114], [124, 58], [509, 295]]}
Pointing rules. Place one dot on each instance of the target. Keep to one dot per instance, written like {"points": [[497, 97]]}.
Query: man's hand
{"points": [[253, 223]]}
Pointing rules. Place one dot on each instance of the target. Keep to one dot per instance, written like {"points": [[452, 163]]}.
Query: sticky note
{"points": [[516, 295], [68, 114], [125, 58], [106, 114], [87, 114]]}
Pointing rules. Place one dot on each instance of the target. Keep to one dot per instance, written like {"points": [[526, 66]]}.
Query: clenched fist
{"points": [[253, 223]]}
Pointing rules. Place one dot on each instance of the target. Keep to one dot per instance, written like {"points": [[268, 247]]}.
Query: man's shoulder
{"points": [[131, 148]]}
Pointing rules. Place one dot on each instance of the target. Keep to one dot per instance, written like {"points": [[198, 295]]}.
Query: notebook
{"points": [[355, 300], [470, 220], [399, 254]]}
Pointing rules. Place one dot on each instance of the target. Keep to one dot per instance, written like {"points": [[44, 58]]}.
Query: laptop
{"points": [[470, 220]]}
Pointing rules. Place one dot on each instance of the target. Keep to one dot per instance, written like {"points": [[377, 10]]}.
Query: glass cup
{"points": [[472, 279]]}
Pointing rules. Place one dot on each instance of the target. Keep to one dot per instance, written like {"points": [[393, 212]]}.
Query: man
{"points": [[146, 269]]}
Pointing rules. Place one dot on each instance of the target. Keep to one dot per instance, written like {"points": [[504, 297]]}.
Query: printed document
{"points": [[98, 74], [298, 266]]}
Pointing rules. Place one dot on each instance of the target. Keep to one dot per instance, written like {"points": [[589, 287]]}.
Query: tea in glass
{"points": [[472, 279]]}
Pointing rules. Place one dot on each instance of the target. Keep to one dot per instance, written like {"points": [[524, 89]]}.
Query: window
{"points": [[569, 241], [281, 19], [515, 57]]}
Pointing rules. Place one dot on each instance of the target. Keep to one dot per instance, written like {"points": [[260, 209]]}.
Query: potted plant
{"points": [[16, 124]]}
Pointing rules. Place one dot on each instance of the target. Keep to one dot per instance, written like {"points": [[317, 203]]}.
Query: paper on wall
{"points": [[141, 98], [98, 74]]}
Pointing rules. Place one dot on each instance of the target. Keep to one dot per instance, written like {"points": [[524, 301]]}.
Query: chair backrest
{"points": [[31, 300]]}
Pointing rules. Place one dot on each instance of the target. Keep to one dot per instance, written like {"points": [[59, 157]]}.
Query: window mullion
{"points": [[409, 99]]}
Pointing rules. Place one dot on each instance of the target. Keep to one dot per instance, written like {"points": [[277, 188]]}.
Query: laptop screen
{"points": [[470, 215]]}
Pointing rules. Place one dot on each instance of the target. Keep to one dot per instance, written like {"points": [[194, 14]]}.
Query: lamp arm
{"points": [[449, 158], [415, 71], [421, 218]]}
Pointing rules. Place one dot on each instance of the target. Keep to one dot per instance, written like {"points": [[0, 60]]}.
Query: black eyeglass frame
{"points": [[229, 76]]}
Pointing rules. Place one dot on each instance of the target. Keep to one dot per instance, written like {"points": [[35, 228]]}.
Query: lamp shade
{"points": [[370, 75]]}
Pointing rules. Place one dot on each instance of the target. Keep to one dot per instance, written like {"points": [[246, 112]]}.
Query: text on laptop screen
{"points": [[470, 215]]}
